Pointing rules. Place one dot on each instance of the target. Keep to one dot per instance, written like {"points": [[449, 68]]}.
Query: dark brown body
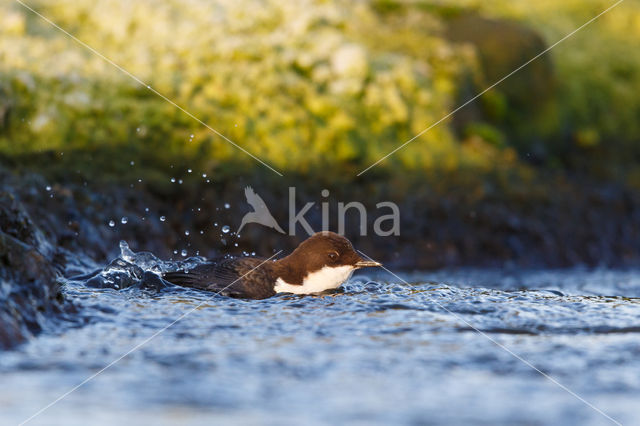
{"points": [[255, 278], [241, 278]]}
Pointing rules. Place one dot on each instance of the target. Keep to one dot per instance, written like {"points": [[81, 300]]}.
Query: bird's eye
{"points": [[333, 255]]}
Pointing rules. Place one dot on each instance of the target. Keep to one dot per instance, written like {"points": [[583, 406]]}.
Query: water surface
{"points": [[434, 350]]}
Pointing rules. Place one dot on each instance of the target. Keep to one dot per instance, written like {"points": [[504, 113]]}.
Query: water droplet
{"points": [[48, 188], [204, 175], [186, 233], [148, 87], [162, 218], [226, 229], [139, 180], [183, 253], [175, 252], [189, 170], [208, 181], [201, 232], [173, 180], [236, 244], [227, 205], [180, 181], [124, 220], [191, 136], [215, 224], [133, 163], [112, 223], [146, 209]]}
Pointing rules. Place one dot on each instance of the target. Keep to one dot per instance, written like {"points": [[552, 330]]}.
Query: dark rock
{"points": [[29, 291]]}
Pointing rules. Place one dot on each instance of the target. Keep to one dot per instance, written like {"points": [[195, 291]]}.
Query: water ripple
{"points": [[375, 349]]}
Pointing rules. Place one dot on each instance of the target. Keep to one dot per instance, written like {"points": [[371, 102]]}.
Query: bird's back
{"points": [[244, 277]]}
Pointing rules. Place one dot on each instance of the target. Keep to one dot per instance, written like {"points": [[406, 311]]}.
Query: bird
{"points": [[322, 262], [260, 213]]}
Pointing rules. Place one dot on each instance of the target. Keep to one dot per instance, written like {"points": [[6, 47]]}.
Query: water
{"points": [[377, 351]]}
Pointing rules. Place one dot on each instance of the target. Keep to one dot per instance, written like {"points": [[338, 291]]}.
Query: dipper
{"points": [[324, 261]]}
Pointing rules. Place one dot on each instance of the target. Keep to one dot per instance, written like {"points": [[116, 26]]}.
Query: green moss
{"points": [[487, 132], [313, 85]]}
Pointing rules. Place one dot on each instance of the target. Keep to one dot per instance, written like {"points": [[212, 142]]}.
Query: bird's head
{"points": [[323, 261], [330, 249]]}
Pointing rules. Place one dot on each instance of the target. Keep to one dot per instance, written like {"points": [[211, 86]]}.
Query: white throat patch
{"points": [[326, 278]]}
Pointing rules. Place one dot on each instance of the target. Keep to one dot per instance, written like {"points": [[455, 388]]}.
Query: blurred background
{"points": [[519, 214], [542, 169]]}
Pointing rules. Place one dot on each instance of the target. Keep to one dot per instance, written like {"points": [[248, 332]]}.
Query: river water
{"points": [[468, 346]]}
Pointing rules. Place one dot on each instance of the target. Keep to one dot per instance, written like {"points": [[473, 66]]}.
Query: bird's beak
{"points": [[367, 263]]}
